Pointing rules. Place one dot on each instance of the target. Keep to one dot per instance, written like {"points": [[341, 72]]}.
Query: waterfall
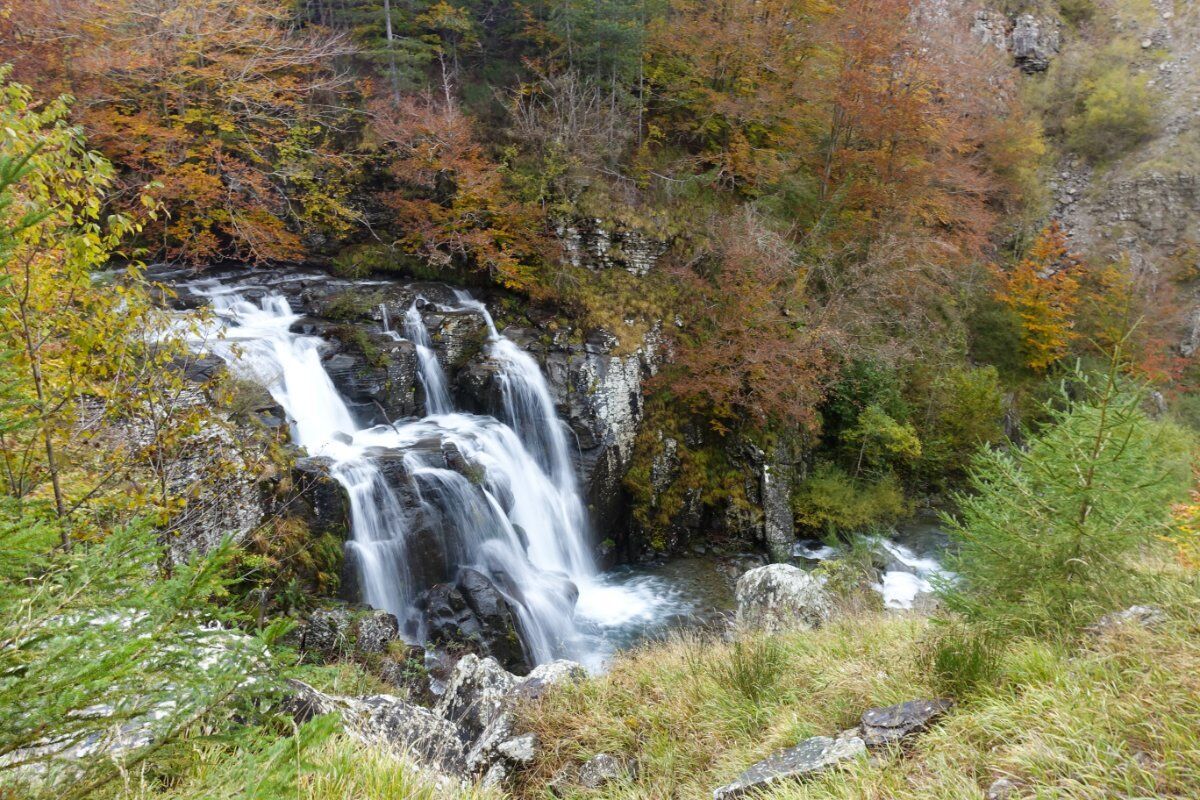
{"points": [[516, 516], [433, 379]]}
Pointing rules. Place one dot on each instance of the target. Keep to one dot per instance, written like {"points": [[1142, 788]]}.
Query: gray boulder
{"points": [[545, 676], [1141, 616], [810, 757], [332, 633], [382, 720], [519, 749], [781, 597], [477, 695], [883, 726]]}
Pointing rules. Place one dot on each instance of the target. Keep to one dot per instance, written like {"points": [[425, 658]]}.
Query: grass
{"points": [[338, 768], [1115, 717]]}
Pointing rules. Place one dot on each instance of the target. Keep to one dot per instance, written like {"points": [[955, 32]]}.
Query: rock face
{"points": [[780, 597], [883, 726], [808, 758], [1034, 42], [593, 244]]}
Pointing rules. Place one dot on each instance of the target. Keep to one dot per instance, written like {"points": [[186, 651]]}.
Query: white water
{"points": [[520, 520]]}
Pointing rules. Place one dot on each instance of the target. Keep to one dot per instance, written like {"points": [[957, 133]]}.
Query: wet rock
{"points": [[473, 615], [780, 597], [382, 720], [458, 336], [810, 757], [1141, 616], [883, 726], [322, 500], [497, 620]]}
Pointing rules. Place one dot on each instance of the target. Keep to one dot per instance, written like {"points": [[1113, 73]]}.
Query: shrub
{"points": [[832, 501], [966, 411], [1117, 113], [1046, 539]]}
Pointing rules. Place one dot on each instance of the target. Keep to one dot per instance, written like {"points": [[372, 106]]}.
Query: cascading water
{"points": [[516, 515]]}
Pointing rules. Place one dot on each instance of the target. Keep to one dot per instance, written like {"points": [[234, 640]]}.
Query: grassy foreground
{"points": [[1117, 715]]}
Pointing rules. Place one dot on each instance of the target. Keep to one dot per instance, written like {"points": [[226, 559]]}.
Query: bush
{"points": [[1045, 542], [831, 501], [1117, 113]]}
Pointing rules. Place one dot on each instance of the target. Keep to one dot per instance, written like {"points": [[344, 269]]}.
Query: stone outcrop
{"points": [[382, 720], [878, 728], [330, 633], [1033, 41], [810, 757], [469, 734], [594, 244], [1138, 616], [781, 597]]}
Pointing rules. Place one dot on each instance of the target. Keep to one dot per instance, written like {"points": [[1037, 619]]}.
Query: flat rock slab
{"points": [[810, 757], [881, 726]]}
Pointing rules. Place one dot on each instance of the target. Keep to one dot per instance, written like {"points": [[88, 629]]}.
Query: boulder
{"points": [[781, 597], [478, 693], [1141, 616], [382, 720], [519, 749], [883, 726], [474, 615], [545, 676], [331, 633], [322, 500], [810, 757]]}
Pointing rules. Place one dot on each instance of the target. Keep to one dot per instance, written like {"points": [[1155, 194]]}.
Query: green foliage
{"points": [[966, 411], [962, 658], [1046, 540], [1117, 112], [752, 668], [832, 501], [97, 638], [881, 442]]}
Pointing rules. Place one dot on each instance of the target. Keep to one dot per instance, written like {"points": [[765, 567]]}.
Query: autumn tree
{"points": [[451, 204], [98, 367], [229, 109], [750, 354], [1043, 291], [728, 84]]}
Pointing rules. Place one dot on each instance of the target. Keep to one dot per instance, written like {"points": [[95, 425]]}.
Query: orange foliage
{"points": [[749, 353], [1043, 291], [217, 105], [452, 204]]}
